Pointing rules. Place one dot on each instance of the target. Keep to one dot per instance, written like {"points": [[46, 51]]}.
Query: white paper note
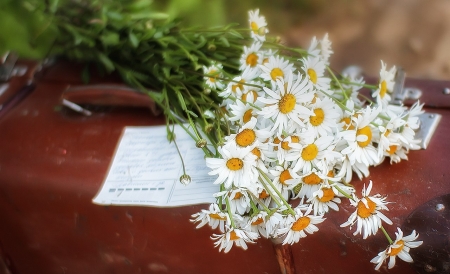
{"points": [[146, 169]]}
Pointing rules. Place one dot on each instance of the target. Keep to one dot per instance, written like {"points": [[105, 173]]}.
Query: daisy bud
{"points": [[211, 47], [201, 143], [208, 128], [207, 91], [185, 179]]}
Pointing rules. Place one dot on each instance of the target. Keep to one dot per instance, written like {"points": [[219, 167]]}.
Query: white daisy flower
{"points": [[258, 25], [299, 225], [323, 121], [325, 49], [315, 154], [286, 103], [248, 135], [239, 200], [214, 72], [386, 85], [282, 175], [242, 112], [276, 68], [400, 247], [236, 167], [236, 87], [265, 224], [310, 182], [368, 214], [412, 124], [314, 49], [314, 68], [251, 57], [240, 237], [360, 144], [214, 217], [324, 199], [282, 144]]}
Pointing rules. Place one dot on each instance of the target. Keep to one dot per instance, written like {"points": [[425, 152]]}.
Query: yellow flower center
{"points": [[312, 75], [212, 72], [285, 144], [348, 123], [276, 141], [217, 216], [383, 89], [233, 236], [263, 194], [318, 119], [246, 137], [387, 132], [285, 175], [301, 223], [237, 86], [258, 221], [392, 149], [235, 164], [365, 131], [313, 101], [256, 152], [247, 115], [254, 27], [330, 174], [253, 92], [265, 61], [310, 152], [252, 59], [395, 250], [363, 211], [287, 103], [312, 179], [275, 73], [328, 195], [237, 196]]}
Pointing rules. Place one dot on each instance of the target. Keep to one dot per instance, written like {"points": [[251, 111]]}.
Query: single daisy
{"points": [[251, 57], [214, 217], [249, 135], [314, 68], [368, 216], [386, 85], [275, 68], [310, 182], [313, 154], [237, 236], [236, 167], [286, 103], [324, 199], [282, 175], [400, 247], [212, 73], [297, 226], [323, 121], [241, 112], [325, 49], [282, 143], [258, 25]]}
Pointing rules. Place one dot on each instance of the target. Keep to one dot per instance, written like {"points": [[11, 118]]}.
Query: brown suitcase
{"points": [[54, 160]]}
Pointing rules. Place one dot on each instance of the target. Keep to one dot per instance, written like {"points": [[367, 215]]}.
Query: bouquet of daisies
{"points": [[296, 130]]}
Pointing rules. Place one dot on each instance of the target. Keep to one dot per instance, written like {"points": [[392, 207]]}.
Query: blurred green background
{"points": [[26, 30]]}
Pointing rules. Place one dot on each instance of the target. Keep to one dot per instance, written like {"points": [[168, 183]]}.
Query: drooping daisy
{"points": [[281, 178], [297, 226], [324, 199], [310, 182], [412, 124], [239, 200], [251, 57], [326, 113], [237, 236], [214, 72], [386, 85], [258, 25], [368, 215], [314, 68], [276, 68], [214, 217], [237, 166], [286, 102], [400, 247], [265, 224]]}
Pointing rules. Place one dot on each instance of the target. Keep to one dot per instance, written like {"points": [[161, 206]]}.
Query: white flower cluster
{"points": [[299, 132]]}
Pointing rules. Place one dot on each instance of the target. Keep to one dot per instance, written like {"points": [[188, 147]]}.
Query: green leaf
{"points": [[224, 41], [181, 100], [149, 16], [110, 39], [109, 65], [134, 41]]}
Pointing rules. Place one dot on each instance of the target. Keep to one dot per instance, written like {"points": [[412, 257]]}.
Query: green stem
{"points": [[276, 191], [387, 235], [227, 201]]}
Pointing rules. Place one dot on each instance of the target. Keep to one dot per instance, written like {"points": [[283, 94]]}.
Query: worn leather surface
{"points": [[53, 161]]}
